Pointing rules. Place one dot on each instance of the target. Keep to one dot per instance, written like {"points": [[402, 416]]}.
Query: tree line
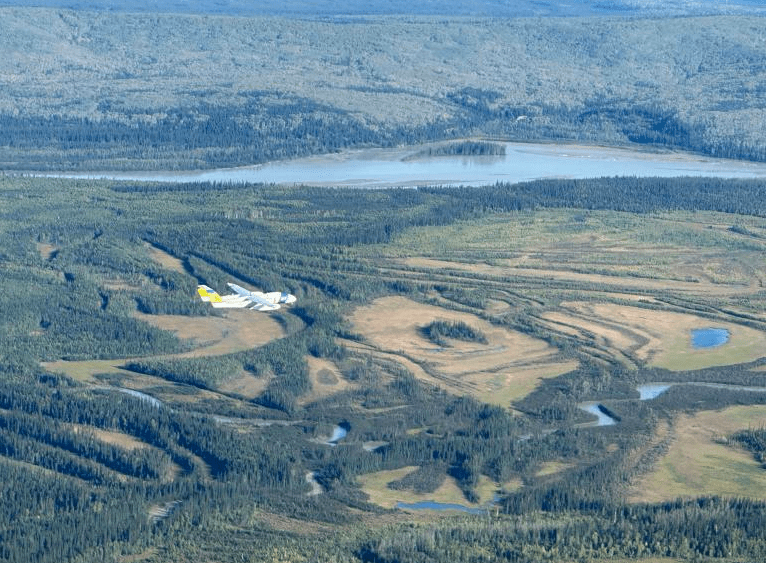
{"points": [[263, 130]]}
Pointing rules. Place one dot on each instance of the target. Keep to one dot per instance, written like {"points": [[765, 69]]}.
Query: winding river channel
{"points": [[649, 391], [412, 166]]}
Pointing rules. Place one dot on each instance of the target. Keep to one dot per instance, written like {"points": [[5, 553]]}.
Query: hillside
{"points": [[487, 8], [102, 89]]}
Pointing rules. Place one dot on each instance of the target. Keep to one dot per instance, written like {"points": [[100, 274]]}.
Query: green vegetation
{"points": [[466, 148], [754, 439], [211, 91], [570, 263], [438, 331]]}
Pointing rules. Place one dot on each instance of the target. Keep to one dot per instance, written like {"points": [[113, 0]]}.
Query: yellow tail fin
{"points": [[208, 295]]}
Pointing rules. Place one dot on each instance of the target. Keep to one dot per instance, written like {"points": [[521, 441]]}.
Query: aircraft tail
{"points": [[208, 295]]}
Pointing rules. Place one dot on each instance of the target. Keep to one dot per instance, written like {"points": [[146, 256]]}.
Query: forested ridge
{"points": [[263, 130], [195, 469], [211, 91]]}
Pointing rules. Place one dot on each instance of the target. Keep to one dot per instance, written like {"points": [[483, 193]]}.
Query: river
{"points": [[409, 167]]}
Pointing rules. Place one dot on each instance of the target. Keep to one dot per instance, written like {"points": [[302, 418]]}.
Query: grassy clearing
{"points": [[164, 259], [660, 338], [551, 468], [239, 329], [745, 344], [86, 370], [623, 277], [699, 463], [375, 485], [508, 366], [679, 252], [124, 441], [127, 442], [244, 385], [512, 384], [326, 380]]}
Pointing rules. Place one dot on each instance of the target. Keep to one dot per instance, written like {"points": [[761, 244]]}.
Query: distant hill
{"points": [[96, 90], [483, 8]]}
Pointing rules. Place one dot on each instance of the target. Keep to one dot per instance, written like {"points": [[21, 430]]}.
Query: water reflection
{"points": [[598, 409]]}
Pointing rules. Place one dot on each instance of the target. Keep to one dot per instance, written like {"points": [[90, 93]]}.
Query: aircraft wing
{"points": [[241, 290], [260, 304], [256, 298]]}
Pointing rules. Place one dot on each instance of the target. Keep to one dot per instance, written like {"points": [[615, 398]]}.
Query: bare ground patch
{"points": [[507, 366], [165, 259], [46, 250], [699, 462]]}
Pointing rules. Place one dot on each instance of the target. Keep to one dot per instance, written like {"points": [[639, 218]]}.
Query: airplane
{"points": [[254, 300]]}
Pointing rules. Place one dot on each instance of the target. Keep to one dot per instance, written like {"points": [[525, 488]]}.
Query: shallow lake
{"points": [[709, 337], [409, 167]]}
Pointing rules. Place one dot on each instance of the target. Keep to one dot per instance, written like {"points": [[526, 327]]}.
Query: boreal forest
{"points": [[560, 370], [138, 422]]}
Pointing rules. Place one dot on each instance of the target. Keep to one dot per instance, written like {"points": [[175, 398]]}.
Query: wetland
{"points": [[544, 302]]}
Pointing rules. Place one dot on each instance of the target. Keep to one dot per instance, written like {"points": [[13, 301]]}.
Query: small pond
{"points": [[709, 337], [595, 408], [649, 391], [338, 433]]}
